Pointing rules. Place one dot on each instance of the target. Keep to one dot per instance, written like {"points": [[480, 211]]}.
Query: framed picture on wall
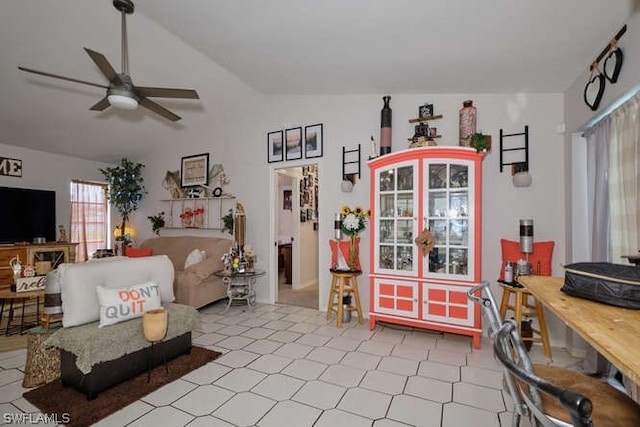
{"points": [[274, 147], [293, 137], [286, 200], [194, 170], [313, 141]]}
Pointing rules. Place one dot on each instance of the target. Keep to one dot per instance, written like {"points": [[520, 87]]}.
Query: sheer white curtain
{"points": [[624, 172], [89, 217], [613, 173], [598, 189]]}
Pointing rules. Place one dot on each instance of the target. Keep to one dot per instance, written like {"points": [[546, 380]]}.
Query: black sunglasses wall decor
{"points": [[613, 58], [613, 63], [594, 89]]}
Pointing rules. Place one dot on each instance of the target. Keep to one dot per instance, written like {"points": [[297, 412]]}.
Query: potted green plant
{"points": [[481, 142], [126, 188], [157, 222], [227, 222]]}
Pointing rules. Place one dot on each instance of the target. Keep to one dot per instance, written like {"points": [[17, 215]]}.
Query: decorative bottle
{"points": [[385, 127], [467, 123]]}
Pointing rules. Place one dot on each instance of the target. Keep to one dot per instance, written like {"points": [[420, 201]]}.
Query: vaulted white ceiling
{"points": [[278, 47]]}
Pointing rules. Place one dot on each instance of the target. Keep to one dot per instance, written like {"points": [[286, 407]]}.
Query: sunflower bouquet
{"points": [[353, 221]]}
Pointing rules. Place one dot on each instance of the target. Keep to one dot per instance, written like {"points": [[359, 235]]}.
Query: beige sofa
{"points": [[196, 286]]}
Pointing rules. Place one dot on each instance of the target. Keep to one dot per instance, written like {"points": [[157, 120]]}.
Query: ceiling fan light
{"points": [[123, 102]]}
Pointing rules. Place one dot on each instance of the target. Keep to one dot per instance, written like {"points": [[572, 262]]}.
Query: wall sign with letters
{"points": [[27, 284], [10, 167]]}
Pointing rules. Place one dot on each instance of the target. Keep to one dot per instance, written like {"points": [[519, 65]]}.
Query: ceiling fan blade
{"points": [[55, 76], [162, 92], [101, 105], [158, 109], [104, 66]]}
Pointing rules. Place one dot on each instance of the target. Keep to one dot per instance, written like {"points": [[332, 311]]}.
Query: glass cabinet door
{"points": [[395, 218], [448, 203]]}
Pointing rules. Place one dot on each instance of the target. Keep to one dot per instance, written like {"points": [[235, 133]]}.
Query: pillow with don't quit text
{"points": [[120, 304]]}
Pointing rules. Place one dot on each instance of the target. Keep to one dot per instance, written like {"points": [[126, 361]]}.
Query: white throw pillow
{"points": [[194, 257], [117, 305]]}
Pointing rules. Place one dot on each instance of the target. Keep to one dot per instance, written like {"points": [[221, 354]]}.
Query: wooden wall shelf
{"points": [[425, 119]]}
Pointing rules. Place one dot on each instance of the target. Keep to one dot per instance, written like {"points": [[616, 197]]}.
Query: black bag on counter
{"points": [[614, 284]]}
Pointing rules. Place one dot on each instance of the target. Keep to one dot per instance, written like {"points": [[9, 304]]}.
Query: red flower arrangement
{"points": [[190, 213]]}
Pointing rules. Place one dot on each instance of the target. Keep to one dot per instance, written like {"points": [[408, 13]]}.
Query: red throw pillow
{"points": [[137, 252], [542, 253], [343, 247]]}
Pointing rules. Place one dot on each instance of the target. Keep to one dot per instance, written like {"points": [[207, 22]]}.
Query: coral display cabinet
{"points": [[428, 188]]}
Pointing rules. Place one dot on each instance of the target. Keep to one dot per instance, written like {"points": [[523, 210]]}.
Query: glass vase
{"points": [[199, 220]]}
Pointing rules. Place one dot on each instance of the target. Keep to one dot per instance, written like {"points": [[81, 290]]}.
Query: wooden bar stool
{"points": [[523, 307], [343, 283]]}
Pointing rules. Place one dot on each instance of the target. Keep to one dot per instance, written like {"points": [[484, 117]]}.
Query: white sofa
{"points": [[94, 358]]}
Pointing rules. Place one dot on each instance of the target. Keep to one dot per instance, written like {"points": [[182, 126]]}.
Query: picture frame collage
{"points": [[292, 144], [309, 195]]}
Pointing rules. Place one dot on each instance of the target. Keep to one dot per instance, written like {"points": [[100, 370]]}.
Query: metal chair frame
{"points": [[510, 351]]}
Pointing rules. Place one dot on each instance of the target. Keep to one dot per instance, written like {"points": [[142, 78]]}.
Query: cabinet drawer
{"points": [[396, 297], [6, 276], [447, 304], [7, 254]]}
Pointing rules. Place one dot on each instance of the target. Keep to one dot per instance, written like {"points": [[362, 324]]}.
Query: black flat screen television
{"points": [[27, 213]]}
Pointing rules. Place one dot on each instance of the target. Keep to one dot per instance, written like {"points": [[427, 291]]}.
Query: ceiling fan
{"points": [[121, 92]]}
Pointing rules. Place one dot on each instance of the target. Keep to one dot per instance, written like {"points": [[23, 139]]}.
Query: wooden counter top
{"points": [[613, 331]]}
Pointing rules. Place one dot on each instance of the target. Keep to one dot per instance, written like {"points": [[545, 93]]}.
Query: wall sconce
{"points": [[348, 181], [351, 159], [519, 169], [520, 175]]}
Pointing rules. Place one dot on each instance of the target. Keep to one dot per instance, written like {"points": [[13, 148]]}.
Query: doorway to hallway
{"points": [[297, 236]]}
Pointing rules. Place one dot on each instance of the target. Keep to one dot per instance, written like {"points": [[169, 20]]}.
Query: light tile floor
{"points": [[288, 366]]}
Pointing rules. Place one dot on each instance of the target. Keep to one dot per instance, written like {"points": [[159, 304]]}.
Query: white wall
{"points": [[576, 111], [349, 120], [240, 145], [46, 171], [578, 115]]}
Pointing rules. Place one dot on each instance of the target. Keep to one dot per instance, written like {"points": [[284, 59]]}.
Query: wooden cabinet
{"points": [[434, 188], [7, 253], [213, 209], [44, 256]]}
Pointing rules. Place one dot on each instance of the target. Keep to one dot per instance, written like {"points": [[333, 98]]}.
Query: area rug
{"points": [[73, 406]]}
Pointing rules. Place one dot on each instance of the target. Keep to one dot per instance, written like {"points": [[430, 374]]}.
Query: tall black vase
{"points": [[385, 127]]}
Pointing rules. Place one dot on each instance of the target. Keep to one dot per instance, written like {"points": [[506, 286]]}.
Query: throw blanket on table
{"points": [[93, 345]]}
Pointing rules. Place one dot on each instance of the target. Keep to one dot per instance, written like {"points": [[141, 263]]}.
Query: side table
{"points": [[43, 364], [240, 286], [12, 297]]}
